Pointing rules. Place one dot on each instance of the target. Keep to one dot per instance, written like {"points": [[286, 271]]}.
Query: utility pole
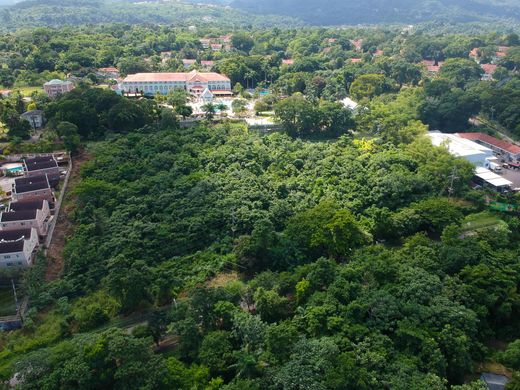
{"points": [[453, 177], [15, 297]]}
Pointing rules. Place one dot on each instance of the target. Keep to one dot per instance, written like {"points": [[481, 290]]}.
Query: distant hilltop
{"points": [[338, 12]]}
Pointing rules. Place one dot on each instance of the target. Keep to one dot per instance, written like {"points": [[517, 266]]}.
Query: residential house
{"points": [[57, 87], [35, 215], [5, 92], [34, 117], [207, 65], [18, 248], [110, 72], [193, 82], [205, 42], [475, 54], [489, 70], [357, 43], [355, 60], [217, 46], [26, 189], [288, 62], [40, 166], [432, 66], [188, 63], [379, 53]]}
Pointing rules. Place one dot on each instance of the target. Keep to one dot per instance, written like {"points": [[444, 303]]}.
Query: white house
{"points": [[206, 96], [18, 248], [57, 87], [34, 117], [23, 215]]}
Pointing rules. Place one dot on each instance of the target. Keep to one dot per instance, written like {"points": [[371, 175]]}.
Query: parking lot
{"points": [[512, 175]]}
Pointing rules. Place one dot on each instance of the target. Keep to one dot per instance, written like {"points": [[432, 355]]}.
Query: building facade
{"points": [[18, 248], [57, 87], [37, 218], [193, 82], [38, 166]]}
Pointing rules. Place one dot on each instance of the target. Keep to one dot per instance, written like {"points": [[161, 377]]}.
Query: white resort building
{"points": [[194, 82]]}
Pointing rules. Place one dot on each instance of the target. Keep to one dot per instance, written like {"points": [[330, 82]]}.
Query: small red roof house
{"points": [[288, 62], [500, 54], [511, 150], [207, 64], [358, 43], [432, 66], [379, 53], [356, 60], [188, 62], [225, 38], [216, 46], [332, 40], [474, 53], [205, 42], [503, 49], [488, 69]]}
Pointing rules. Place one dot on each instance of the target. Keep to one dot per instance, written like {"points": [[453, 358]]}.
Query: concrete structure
{"points": [[32, 188], [206, 96], [18, 248], [38, 166], [34, 117], [475, 153], [28, 215], [109, 72], [207, 65], [193, 82], [57, 87], [188, 63], [494, 381], [509, 151], [488, 179]]}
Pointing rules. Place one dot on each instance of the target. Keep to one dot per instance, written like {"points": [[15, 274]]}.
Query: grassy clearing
{"points": [[7, 304], [27, 91]]}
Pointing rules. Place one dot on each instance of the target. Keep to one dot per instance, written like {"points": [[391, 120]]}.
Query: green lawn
{"points": [[27, 91], [7, 305], [476, 222]]}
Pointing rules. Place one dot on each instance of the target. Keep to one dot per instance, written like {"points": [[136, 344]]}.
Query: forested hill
{"points": [[54, 13], [336, 12]]}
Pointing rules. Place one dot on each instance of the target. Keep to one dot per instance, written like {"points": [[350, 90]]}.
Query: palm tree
{"points": [[209, 110]]}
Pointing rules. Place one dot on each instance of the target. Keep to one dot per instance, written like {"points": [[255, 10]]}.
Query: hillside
{"points": [[34, 13], [334, 12]]}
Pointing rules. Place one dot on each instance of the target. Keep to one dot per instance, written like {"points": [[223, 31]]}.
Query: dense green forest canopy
{"points": [[342, 252], [321, 303]]}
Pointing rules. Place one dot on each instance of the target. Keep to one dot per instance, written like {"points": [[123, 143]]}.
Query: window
{"points": [[7, 256], [9, 264]]}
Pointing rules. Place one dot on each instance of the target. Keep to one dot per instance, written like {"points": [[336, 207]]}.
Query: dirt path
{"points": [[64, 225]]}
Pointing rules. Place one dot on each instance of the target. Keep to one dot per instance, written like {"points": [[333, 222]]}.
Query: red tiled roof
{"points": [[288, 62], [474, 53], [500, 54], [489, 68], [207, 63], [358, 43], [158, 77], [431, 67], [511, 148], [379, 52], [355, 60]]}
